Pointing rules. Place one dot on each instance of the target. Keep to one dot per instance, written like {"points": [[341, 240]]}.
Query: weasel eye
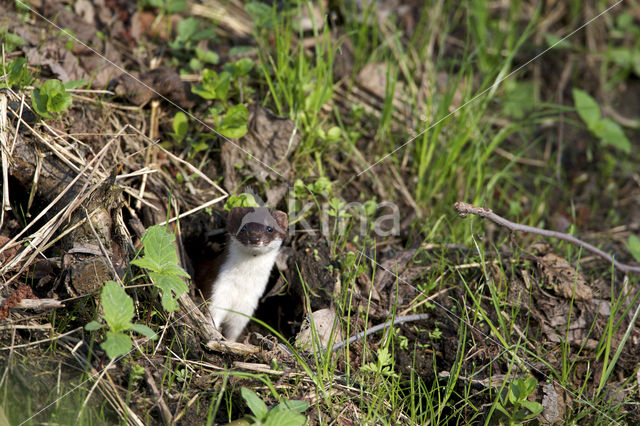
{"points": [[269, 229], [244, 228]]}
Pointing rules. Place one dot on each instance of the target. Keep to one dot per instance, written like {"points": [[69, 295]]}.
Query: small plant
{"points": [[17, 74], [230, 120], [608, 131], [180, 126], [51, 98], [241, 200], [234, 122], [117, 307], [10, 40], [514, 406], [383, 366], [185, 46], [288, 412], [161, 260]]}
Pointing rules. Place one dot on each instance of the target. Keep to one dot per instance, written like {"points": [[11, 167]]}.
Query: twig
{"points": [[36, 304], [390, 323], [162, 405], [464, 209]]}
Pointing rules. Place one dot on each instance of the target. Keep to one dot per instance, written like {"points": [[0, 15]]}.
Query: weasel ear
{"points": [[282, 219]]}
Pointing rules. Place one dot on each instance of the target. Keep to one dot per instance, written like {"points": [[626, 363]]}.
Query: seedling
{"points": [[17, 74], [234, 122], [608, 131], [288, 412], [230, 121], [117, 307], [185, 45], [51, 98], [161, 260], [180, 127], [383, 366], [515, 406]]}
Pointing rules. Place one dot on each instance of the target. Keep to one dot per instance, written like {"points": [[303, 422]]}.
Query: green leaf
{"points": [[74, 84], [207, 56], [240, 200], [173, 269], [187, 28], [159, 245], [147, 263], [612, 134], [535, 407], [321, 186], [255, 404], [503, 410], [234, 122], [169, 285], [242, 67], [334, 134], [180, 126], [144, 330], [93, 326], [292, 405], [117, 306], [176, 6], [51, 97], [39, 103], [195, 64], [586, 107], [285, 418], [116, 344], [17, 73], [213, 86], [634, 246]]}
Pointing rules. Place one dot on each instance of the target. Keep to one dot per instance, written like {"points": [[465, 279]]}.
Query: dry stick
{"points": [[464, 209], [4, 147], [162, 405], [390, 323]]}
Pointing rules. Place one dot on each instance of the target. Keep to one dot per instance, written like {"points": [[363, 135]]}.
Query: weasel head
{"points": [[257, 230]]}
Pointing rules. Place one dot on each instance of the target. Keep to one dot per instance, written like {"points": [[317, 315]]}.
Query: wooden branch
{"points": [[384, 326], [157, 396], [464, 209]]}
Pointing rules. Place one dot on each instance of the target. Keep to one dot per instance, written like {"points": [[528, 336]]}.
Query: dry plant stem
{"points": [[464, 209], [162, 405], [397, 320], [4, 147], [37, 304]]}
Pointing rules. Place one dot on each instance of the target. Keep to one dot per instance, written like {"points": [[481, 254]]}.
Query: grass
{"points": [[473, 134]]}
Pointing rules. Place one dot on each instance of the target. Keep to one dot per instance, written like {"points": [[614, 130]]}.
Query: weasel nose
{"points": [[253, 239]]}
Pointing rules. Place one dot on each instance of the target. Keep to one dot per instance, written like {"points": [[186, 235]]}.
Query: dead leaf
{"points": [[325, 326], [161, 81], [554, 407], [564, 278], [7, 255], [373, 78]]}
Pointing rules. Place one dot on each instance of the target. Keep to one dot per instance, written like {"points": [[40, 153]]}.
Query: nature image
{"points": [[319, 212]]}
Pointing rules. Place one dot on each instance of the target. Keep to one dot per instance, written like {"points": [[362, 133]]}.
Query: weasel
{"points": [[240, 276]]}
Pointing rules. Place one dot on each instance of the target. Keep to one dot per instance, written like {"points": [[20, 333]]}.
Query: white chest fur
{"points": [[241, 282]]}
